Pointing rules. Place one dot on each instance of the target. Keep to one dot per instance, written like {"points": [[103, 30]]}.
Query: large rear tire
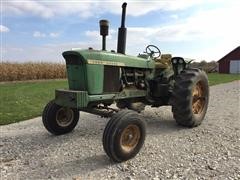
{"points": [[59, 120], [190, 97], [124, 135]]}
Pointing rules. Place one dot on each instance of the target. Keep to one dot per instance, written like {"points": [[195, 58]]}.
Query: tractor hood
{"points": [[107, 58]]}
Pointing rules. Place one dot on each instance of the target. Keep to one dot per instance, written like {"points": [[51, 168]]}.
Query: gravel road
{"points": [[210, 151]]}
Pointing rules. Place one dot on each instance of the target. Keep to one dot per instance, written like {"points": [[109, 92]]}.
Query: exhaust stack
{"points": [[103, 32], [122, 32]]}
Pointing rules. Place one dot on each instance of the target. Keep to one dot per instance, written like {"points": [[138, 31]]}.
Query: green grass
{"points": [[215, 78], [25, 100]]}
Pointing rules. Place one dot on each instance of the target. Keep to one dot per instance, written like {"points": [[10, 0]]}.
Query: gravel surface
{"points": [[210, 151]]}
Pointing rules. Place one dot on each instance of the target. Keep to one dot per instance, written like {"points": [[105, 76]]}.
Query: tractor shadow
{"points": [[162, 127], [161, 122]]}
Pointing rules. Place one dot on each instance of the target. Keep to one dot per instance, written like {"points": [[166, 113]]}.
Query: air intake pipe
{"points": [[104, 24], [122, 32]]}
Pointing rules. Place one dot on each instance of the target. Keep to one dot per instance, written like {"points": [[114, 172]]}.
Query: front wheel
{"points": [[124, 135], [59, 120]]}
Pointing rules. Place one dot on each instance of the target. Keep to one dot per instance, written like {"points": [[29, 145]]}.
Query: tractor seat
{"points": [[164, 61]]}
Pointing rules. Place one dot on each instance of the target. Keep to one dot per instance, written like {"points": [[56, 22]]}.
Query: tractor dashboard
{"points": [[144, 56]]}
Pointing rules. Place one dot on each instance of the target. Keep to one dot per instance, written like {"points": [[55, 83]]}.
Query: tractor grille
{"points": [[111, 82]]}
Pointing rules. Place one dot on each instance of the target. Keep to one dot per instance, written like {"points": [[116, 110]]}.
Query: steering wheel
{"points": [[153, 51]]}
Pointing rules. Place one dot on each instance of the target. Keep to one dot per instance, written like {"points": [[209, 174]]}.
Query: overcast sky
{"points": [[42, 30]]}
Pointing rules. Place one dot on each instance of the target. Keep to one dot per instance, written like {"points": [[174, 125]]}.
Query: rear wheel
{"points": [[124, 135], [59, 120], [190, 97]]}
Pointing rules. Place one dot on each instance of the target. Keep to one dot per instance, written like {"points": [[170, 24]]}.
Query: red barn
{"points": [[230, 63]]}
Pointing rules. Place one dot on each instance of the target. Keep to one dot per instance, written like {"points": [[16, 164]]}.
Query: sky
{"points": [[39, 31]]}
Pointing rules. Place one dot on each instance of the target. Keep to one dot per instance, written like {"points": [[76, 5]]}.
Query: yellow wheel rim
{"points": [[64, 117], [199, 98], [130, 138]]}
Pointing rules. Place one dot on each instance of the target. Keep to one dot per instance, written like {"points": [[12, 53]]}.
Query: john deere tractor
{"points": [[99, 78]]}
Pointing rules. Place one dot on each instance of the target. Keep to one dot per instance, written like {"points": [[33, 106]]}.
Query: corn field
{"points": [[31, 71]]}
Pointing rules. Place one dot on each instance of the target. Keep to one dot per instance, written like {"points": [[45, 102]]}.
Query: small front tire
{"points": [[124, 135], [59, 120]]}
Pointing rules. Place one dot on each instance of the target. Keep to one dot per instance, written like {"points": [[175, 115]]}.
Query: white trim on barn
{"points": [[234, 67]]}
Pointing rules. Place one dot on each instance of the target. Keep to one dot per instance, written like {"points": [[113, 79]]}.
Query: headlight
{"points": [[174, 61], [180, 61]]}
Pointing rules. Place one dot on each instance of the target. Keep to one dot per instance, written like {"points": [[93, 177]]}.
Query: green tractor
{"points": [[99, 78]]}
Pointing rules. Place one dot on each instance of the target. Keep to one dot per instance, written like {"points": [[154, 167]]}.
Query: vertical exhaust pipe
{"points": [[122, 32]]}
